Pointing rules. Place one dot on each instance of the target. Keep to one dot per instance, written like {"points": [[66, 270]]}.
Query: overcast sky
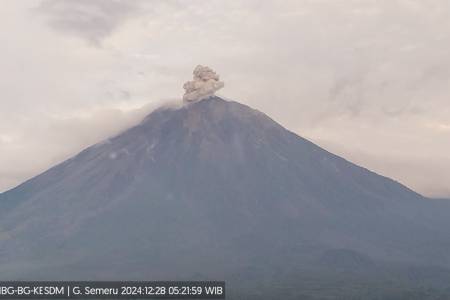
{"points": [[368, 80]]}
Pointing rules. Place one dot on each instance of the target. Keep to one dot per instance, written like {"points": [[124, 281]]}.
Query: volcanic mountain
{"points": [[214, 190]]}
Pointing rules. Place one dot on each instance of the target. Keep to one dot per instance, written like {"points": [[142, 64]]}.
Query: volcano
{"points": [[217, 190]]}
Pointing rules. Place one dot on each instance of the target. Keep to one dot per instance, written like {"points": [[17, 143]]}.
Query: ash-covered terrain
{"points": [[215, 190]]}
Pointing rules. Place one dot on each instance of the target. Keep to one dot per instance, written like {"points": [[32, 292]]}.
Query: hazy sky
{"points": [[368, 80]]}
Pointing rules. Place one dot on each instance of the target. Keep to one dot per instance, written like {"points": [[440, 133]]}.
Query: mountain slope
{"points": [[214, 188]]}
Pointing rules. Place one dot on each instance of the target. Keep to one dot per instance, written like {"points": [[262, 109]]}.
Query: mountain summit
{"points": [[213, 189]]}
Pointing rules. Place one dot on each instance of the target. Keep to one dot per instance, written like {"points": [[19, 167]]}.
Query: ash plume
{"points": [[206, 82]]}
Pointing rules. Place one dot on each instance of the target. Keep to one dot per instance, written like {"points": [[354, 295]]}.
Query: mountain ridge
{"points": [[173, 108], [212, 183]]}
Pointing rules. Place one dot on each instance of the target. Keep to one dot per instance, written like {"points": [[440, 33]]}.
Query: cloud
{"points": [[24, 154], [206, 82], [370, 76], [348, 95], [92, 20]]}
